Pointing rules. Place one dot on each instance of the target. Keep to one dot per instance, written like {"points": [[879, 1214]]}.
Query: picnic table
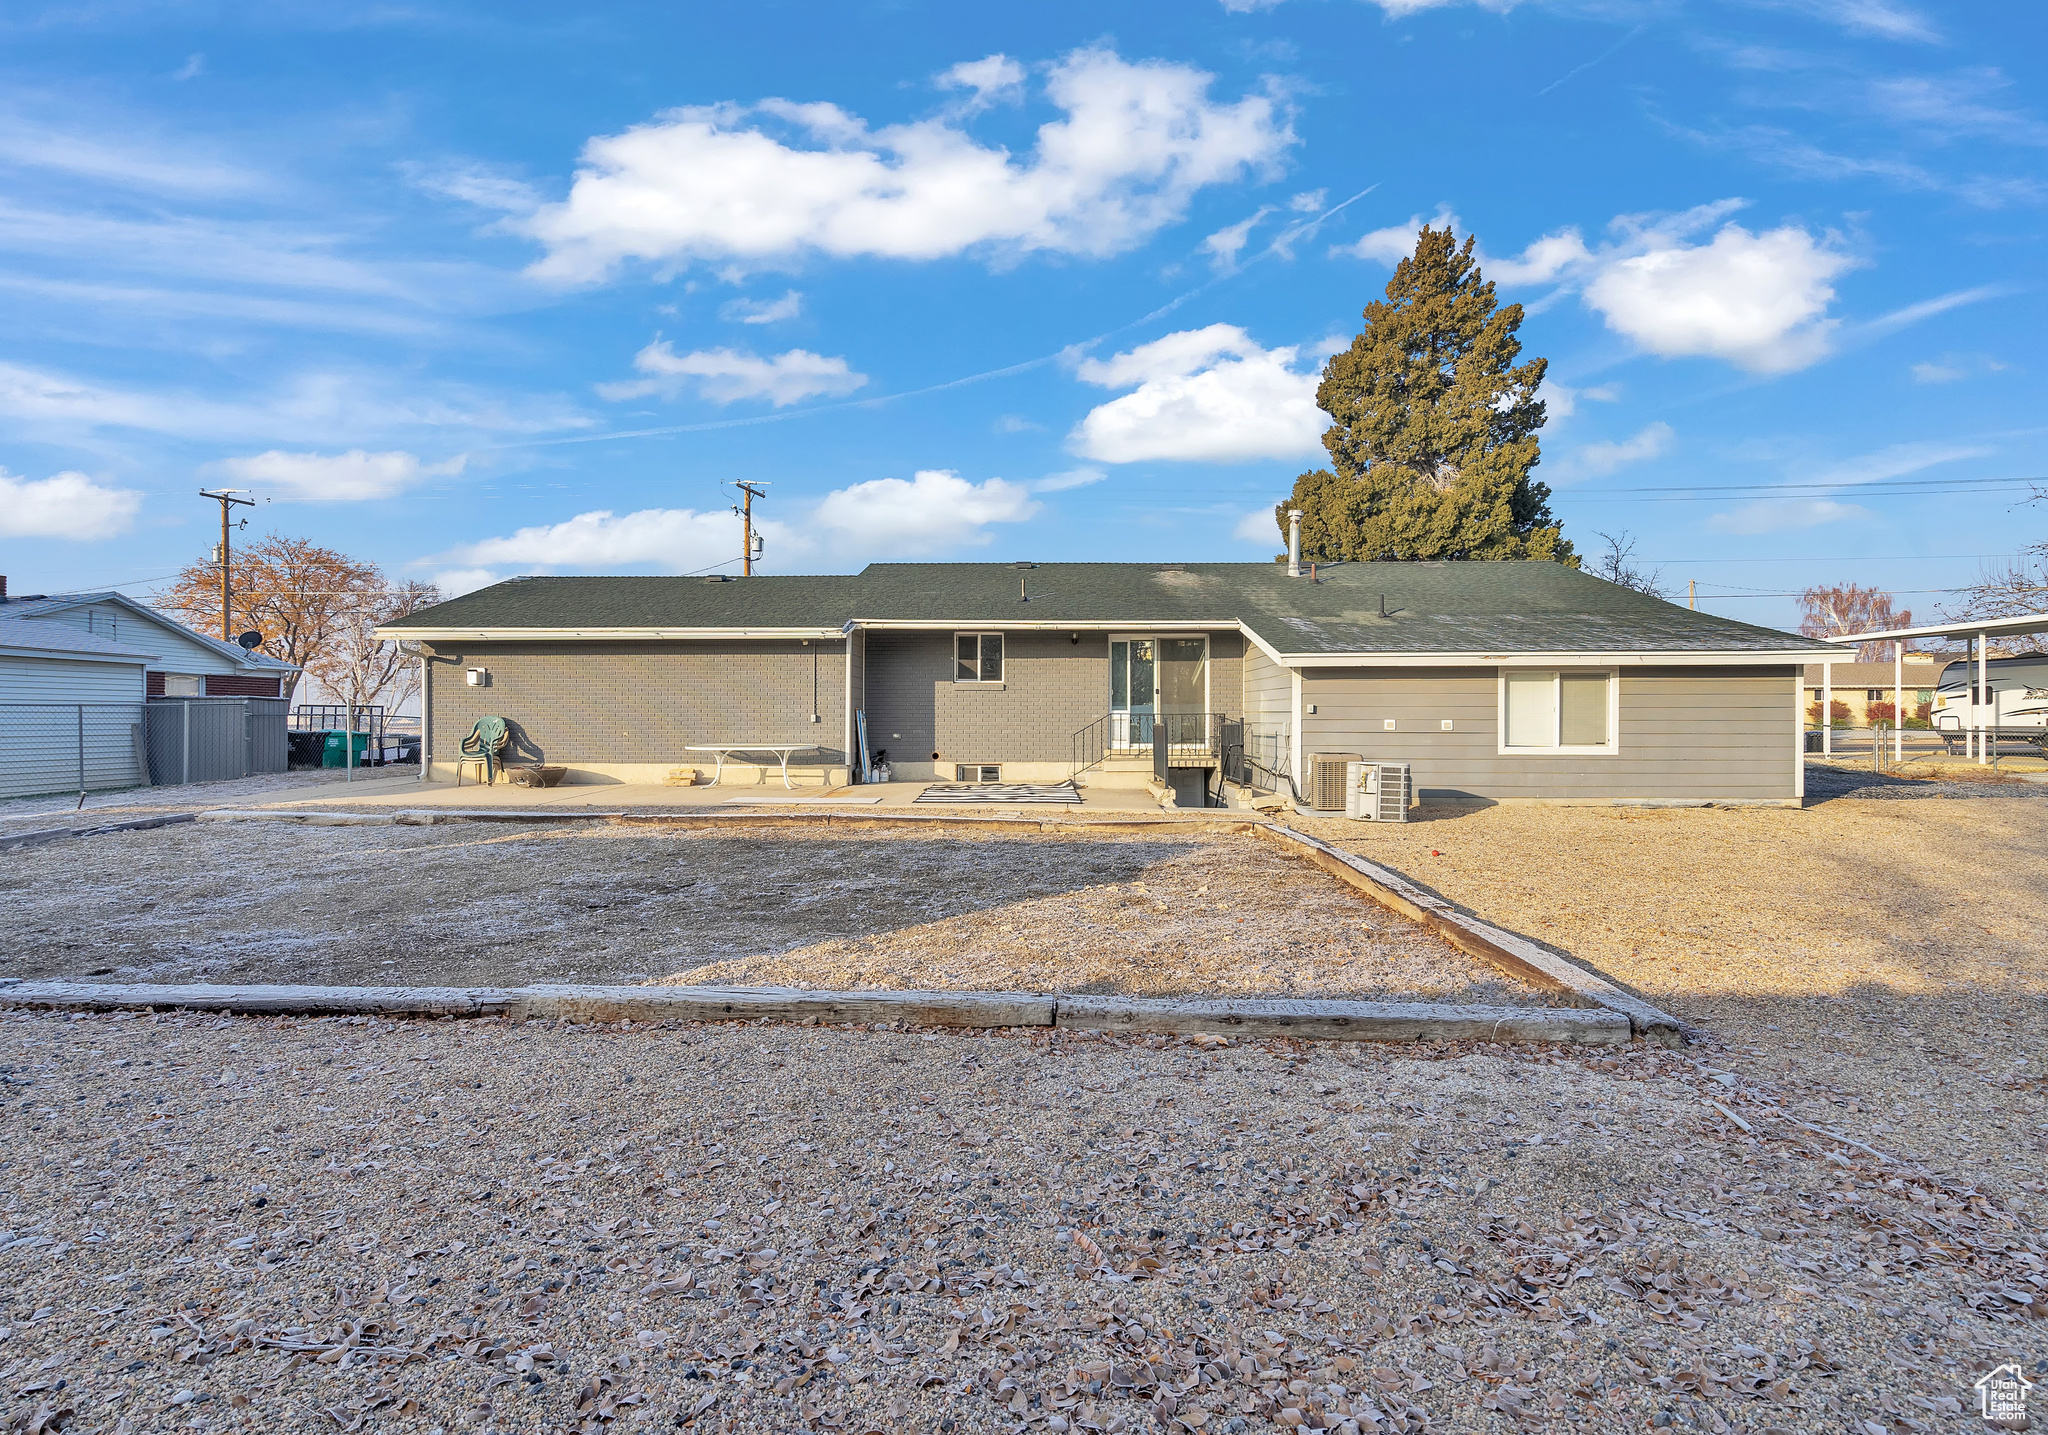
{"points": [[727, 749]]}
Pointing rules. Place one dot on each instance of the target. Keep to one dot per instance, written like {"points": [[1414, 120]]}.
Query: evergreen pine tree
{"points": [[1433, 431]]}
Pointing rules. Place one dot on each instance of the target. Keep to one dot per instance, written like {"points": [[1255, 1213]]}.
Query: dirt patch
{"points": [[1878, 963], [1224, 916], [1189, 912], [309, 1226]]}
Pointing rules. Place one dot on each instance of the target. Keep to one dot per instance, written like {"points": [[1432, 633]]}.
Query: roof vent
{"points": [[719, 578], [1021, 564]]}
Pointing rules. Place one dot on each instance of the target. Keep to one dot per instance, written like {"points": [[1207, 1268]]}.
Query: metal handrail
{"points": [[1133, 734]]}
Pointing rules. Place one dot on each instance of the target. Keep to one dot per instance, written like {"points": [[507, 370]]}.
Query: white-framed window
{"points": [[183, 685], [977, 657], [1561, 710]]}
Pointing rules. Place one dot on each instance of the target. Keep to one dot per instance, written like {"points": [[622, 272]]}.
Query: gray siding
{"points": [[642, 702], [1268, 717], [1683, 733], [176, 652], [62, 680]]}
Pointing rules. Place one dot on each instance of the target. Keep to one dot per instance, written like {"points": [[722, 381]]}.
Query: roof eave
{"points": [[593, 635]]}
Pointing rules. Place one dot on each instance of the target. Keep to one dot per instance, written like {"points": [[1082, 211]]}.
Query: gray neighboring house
{"points": [[1497, 681], [184, 663]]}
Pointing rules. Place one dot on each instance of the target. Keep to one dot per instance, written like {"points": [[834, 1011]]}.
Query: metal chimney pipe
{"points": [[1294, 543]]}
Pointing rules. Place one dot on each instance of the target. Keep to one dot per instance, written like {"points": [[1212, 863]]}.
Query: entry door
{"points": [[1133, 691], [1150, 677]]}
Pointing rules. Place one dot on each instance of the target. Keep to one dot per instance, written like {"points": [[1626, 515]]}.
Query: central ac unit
{"points": [[1378, 791], [1326, 779]]}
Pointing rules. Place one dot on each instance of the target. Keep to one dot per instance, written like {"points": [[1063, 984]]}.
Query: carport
{"points": [[1975, 633]]}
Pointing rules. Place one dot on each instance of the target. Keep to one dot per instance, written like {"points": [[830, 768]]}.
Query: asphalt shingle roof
{"points": [[1428, 607], [42, 605]]}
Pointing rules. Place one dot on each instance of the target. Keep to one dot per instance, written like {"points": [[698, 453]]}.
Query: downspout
{"points": [[1294, 736], [426, 717]]}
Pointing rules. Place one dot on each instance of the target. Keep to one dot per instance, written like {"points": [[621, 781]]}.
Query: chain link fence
{"points": [[49, 748]]}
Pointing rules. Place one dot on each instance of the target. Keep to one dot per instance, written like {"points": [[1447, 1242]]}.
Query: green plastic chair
{"points": [[484, 745]]}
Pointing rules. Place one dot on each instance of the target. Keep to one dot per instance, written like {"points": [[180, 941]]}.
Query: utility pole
{"points": [[225, 497], [745, 509], [1692, 592]]}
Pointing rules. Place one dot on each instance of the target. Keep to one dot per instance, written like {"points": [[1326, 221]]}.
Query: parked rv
{"points": [[2014, 699]]}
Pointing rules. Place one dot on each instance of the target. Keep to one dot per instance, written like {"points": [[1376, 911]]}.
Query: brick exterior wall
{"points": [[642, 702], [153, 685], [227, 685]]}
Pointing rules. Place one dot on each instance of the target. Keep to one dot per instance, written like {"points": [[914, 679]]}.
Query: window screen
{"points": [[978, 658], [1582, 709], [1532, 709]]}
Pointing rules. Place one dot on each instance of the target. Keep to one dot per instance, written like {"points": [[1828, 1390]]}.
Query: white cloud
{"points": [[454, 582], [1395, 9], [933, 511], [1933, 373], [65, 505], [1256, 527], [1561, 401], [676, 540], [1203, 395], [998, 79], [1778, 515], [763, 311], [1543, 262], [937, 509], [1396, 242], [720, 183], [1883, 18], [1896, 461], [726, 376], [311, 407], [481, 185], [1017, 423], [1597, 460], [1309, 201], [1223, 246], [121, 159], [1756, 300], [1070, 478], [1770, 515], [336, 477]]}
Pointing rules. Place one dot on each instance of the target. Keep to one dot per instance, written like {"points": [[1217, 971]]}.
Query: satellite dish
{"points": [[250, 640]]}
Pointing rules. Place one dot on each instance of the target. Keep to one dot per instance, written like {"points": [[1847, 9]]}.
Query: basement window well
{"points": [[978, 657], [1564, 712]]}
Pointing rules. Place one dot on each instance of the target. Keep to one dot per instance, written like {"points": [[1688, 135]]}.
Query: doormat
{"points": [[989, 792]]}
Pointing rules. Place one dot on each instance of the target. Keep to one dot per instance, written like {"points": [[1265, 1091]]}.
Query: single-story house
{"points": [[1520, 681], [186, 664], [1858, 686], [99, 691]]}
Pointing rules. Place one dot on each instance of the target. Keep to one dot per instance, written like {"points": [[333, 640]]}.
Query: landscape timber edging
{"points": [[1251, 1018], [262, 1000], [1517, 956], [779, 816], [788, 1004], [1343, 1021], [23, 841]]}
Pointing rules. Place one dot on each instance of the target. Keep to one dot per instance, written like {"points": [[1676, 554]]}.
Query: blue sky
{"points": [[475, 291]]}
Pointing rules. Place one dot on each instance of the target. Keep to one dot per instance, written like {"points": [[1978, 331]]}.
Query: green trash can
{"points": [[335, 754]]}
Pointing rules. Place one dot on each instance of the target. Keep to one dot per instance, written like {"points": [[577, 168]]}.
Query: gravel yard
{"points": [[299, 1226], [1180, 912], [1880, 963]]}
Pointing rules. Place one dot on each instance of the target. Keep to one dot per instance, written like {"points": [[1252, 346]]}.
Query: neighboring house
{"points": [[1497, 681], [46, 663], [1857, 686], [186, 664]]}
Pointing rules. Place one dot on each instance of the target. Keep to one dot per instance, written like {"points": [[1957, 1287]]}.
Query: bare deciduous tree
{"points": [[2016, 587], [1617, 565], [358, 667], [1831, 610]]}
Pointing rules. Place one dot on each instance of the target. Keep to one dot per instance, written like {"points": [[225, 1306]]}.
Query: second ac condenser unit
{"points": [[1326, 773], [1378, 791]]}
